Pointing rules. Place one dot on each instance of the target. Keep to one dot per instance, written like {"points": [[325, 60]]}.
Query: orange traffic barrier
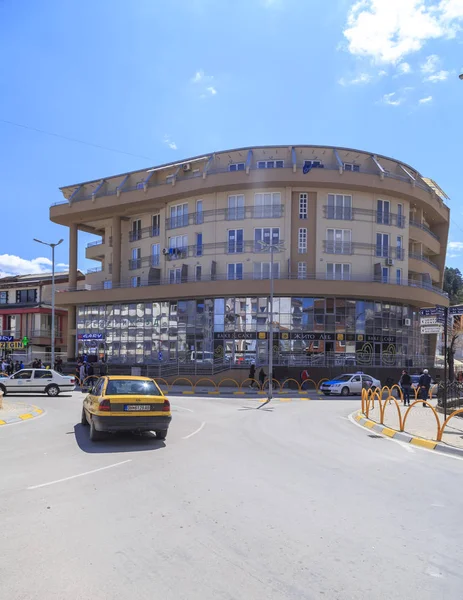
{"points": [[205, 379], [430, 406], [399, 390], [317, 385], [382, 410], [250, 379], [228, 379], [273, 383], [441, 430], [290, 379], [371, 398], [158, 379], [181, 379]]}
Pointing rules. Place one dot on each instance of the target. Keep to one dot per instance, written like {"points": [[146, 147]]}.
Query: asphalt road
{"points": [[286, 503]]}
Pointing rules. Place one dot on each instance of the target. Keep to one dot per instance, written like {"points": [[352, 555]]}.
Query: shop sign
{"points": [[18, 345], [6, 338], [90, 336]]}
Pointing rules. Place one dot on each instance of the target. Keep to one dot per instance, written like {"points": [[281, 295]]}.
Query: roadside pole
{"points": [[446, 333]]}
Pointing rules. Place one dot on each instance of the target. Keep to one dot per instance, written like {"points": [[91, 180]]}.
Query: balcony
{"points": [[419, 263], [145, 261], [96, 250], [349, 213], [145, 232], [44, 333], [226, 214], [421, 234], [359, 248]]}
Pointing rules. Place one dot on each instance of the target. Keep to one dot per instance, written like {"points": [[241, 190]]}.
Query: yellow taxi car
{"points": [[126, 403]]}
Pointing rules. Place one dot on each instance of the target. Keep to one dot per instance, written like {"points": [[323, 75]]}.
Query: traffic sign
{"points": [[456, 310], [429, 320], [431, 329], [429, 312]]}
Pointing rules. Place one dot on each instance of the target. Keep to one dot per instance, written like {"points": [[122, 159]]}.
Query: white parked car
{"points": [[349, 383], [37, 381]]}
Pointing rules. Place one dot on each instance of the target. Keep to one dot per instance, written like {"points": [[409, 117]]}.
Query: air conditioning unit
{"points": [[407, 322], [389, 262], [186, 167], [165, 250]]}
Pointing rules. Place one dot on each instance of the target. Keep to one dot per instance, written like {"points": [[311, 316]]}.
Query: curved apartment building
{"points": [[184, 254]]}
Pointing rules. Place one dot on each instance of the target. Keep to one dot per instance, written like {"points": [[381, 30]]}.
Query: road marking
{"points": [[41, 485], [195, 432], [183, 408]]}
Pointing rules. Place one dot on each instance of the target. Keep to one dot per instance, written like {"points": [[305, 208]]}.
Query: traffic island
{"points": [[15, 412]]}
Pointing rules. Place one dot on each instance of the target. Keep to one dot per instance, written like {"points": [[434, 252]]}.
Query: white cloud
{"points": [[404, 68], [431, 64], [392, 99], [62, 266], [205, 83], [362, 78], [172, 145], [14, 265], [425, 100], [439, 76], [272, 3], [455, 247], [382, 73], [389, 30], [211, 89], [201, 77]]}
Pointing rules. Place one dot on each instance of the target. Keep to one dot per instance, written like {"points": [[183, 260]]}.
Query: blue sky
{"points": [[161, 81]]}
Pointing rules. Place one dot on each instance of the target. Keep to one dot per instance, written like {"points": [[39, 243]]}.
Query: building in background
{"points": [[183, 277], [25, 316]]}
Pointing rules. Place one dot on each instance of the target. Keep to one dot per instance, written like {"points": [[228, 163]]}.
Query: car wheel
{"points": [[326, 393], [52, 390], [95, 435], [161, 434], [83, 419], [345, 391], [3, 389]]}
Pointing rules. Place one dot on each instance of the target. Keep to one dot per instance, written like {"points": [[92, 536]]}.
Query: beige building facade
{"points": [[184, 252]]}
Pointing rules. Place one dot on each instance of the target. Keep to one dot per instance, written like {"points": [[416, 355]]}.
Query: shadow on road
{"points": [[116, 442]]}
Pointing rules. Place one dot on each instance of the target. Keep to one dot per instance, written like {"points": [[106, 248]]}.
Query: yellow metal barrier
{"points": [[382, 410], [181, 379], [273, 383], [399, 390], [205, 379], [317, 385], [250, 379], [158, 379], [228, 379], [424, 402], [441, 430], [291, 379]]}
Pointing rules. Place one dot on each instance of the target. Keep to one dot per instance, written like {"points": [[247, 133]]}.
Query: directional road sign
{"points": [[431, 329], [429, 320], [434, 310], [456, 310]]}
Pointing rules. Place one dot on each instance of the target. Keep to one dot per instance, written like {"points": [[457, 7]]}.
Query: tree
{"points": [[453, 285]]}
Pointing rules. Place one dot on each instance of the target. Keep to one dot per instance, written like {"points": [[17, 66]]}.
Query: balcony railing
{"points": [[138, 234], [424, 228], [210, 249], [45, 333], [348, 213], [423, 258], [332, 247], [94, 270], [284, 275], [238, 213], [96, 243]]}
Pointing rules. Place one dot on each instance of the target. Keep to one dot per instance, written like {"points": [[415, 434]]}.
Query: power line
{"points": [[70, 139]]}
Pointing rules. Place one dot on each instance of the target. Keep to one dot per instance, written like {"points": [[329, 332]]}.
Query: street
{"points": [[290, 501]]}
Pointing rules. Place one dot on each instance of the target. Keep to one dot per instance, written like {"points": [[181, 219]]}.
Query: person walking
{"points": [[82, 375], [262, 377], [405, 383], [424, 384], [21, 365], [304, 377], [252, 375]]}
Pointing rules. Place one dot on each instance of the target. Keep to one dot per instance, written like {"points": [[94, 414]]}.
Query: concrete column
{"points": [[71, 333], [73, 255], [116, 273]]}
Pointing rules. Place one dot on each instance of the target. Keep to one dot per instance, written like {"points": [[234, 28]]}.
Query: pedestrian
{"points": [[405, 383], [252, 375], [304, 377], [103, 368], [424, 384], [262, 377], [82, 375], [21, 365]]}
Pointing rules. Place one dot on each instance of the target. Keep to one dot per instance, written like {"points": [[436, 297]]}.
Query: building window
{"points": [[382, 245], [199, 244], [338, 241], [155, 254], [235, 207], [235, 271], [385, 275], [313, 164], [351, 167], [262, 270], [155, 225], [178, 242], [3, 297], [383, 212], [23, 296], [340, 271], [400, 216], [135, 263], [270, 164], [400, 248], [302, 240], [303, 202], [108, 284], [236, 167], [339, 207], [301, 270], [178, 216], [199, 212], [136, 230], [398, 276], [235, 241], [267, 205], [175, 275], [198, 271], [267, 235], [136, 281]]}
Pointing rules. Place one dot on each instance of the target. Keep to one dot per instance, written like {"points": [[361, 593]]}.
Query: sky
{"points": [[92, 88]]}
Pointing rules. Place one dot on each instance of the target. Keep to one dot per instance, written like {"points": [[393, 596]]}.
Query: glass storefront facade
{"points": [[234, 330]]}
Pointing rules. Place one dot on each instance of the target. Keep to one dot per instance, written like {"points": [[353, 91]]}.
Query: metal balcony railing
{"points": [[226, 214], [348, 248], [138, 234], [96, 243], [94, 270], [45, 333], [424, 228], [144, 261], [423, 258], [349, 213]]}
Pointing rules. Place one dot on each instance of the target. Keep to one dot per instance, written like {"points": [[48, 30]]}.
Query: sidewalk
{"points": [[14, 412], [421, 422]]}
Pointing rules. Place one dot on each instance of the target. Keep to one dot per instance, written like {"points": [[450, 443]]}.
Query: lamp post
{"points": [[269, 247], [52, 246]]}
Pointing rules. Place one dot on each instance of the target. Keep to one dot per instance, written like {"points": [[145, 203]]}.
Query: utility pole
{"points": [[446, 333]]}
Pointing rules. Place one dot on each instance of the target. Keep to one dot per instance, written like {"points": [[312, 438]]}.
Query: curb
{"points": [[403, 436], [34, 412]]}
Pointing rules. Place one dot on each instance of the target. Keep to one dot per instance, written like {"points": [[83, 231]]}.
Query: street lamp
{"points": [[269, 247], [52, 246]]}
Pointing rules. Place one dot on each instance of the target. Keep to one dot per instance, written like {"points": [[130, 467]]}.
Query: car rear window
{"points": [[43, 374], [129, 387]]}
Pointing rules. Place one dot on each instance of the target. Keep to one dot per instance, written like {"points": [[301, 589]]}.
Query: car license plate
{"points": [[133, 407]]}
